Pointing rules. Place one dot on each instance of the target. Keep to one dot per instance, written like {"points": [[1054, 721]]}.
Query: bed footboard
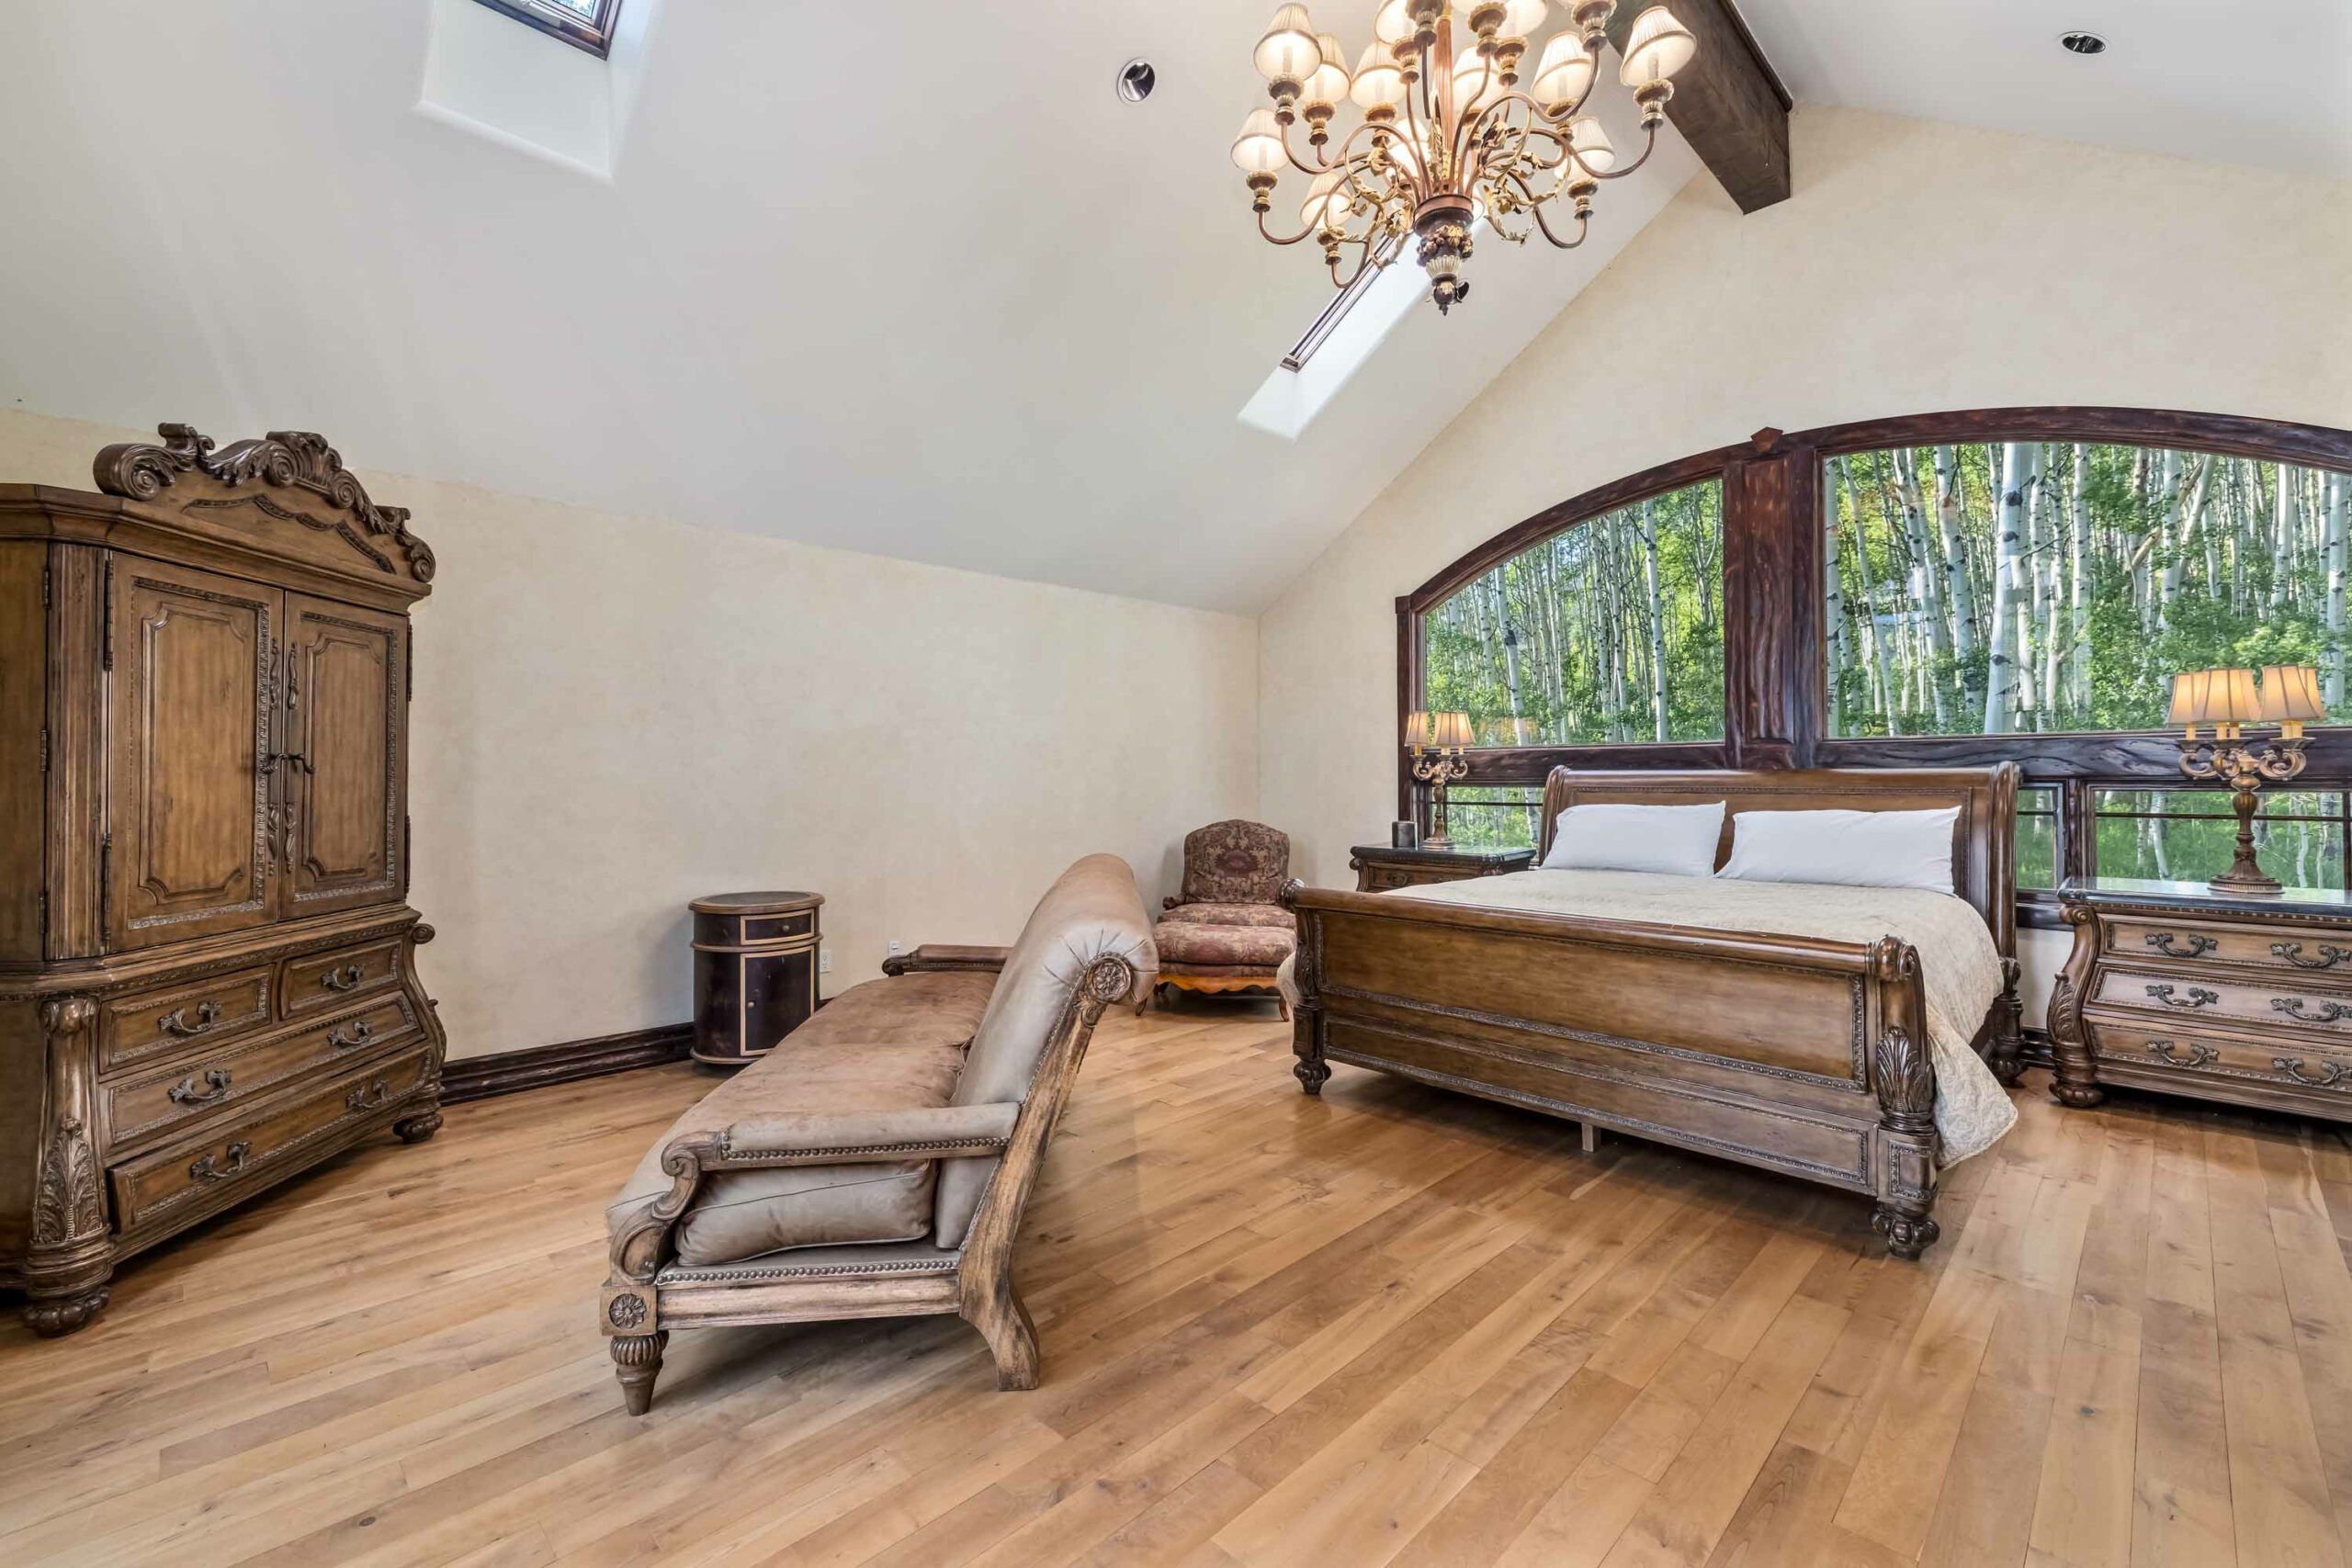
{"points": [[1802, 1057]]}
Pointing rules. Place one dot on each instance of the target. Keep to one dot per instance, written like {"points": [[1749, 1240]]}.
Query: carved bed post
{"points": [[69, 1255], [1902, 1073], [2075, 1080], [1306, 979]]}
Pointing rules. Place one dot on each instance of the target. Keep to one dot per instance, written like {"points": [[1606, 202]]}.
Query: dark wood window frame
{"points": [[593, 34], [1775, 674]]}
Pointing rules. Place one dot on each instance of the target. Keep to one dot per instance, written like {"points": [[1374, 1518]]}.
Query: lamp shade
{"points": [[1657, 48], [1327, 83], [1521, 17], [1417, 730], [1590, 142], [1328, 200], [1450, 729], [1564, 73], [2291, 695], [1477, 83], [1393, 23], [1378, 84], [1258, 148], [1289, 51], [2214, 696]]}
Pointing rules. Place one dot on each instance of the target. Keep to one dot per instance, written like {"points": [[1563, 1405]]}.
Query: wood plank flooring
{"points": [[1392, 1325]]}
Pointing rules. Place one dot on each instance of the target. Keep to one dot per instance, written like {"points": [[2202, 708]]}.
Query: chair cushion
{"points": [[1236, 862], [1091, 911], [1233, 915], [1190, 942], [742, 1214], [910, 1009]]}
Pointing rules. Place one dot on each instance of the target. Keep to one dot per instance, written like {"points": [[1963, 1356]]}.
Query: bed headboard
{"points": [[1984, 835]]}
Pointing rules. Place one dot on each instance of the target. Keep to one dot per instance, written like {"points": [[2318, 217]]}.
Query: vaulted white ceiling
{"points": [[911, 280]]}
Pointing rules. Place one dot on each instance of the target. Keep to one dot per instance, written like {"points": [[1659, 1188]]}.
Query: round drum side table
{"points": [[755, 971]]}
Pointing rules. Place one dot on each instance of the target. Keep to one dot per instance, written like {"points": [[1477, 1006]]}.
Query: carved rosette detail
{"points": [[296, 460], [626, 1311], [1906, 1082]]}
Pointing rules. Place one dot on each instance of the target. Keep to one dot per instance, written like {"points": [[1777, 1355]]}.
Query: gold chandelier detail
{"points": [[1448, 136]]}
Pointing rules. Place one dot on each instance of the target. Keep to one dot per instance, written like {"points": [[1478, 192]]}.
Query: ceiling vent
{"points": [[2082, 43], [1136, 79]]}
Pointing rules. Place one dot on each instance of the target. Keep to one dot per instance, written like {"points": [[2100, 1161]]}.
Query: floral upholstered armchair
{"points": [[1227, 931]]}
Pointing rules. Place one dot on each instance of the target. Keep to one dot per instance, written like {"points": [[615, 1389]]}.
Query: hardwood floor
{"points": [[1388, 1326]]}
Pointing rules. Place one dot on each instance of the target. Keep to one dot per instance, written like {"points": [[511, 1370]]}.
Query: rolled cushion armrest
{"points": [[936, 956], [864, 1137]]}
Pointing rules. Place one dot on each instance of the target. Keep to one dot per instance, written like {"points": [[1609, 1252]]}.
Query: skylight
{"points": [[584, 24]]}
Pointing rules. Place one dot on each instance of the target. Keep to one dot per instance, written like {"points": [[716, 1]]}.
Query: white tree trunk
{"points": [[2282, 536], [2009, 538], [2339, 495], [1657, 618], [1840, 654], [1956, 585], [2077, 606]]}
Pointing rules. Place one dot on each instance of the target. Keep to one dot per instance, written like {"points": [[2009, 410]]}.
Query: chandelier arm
{"points": [[1584, 222], [1300, 164], [1349, 140], [1277, 239], [1363, 260], [1648, 147]]}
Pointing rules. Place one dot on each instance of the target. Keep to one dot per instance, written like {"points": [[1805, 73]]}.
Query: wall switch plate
{"points": [[893, 948], [824, 960]]}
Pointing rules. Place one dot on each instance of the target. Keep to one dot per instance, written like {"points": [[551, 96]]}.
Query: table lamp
{"points": [[1437, 741], [2227, 701]]}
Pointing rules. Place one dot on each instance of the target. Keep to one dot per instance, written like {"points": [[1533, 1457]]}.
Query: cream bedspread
{"points": [[1959, 967]]}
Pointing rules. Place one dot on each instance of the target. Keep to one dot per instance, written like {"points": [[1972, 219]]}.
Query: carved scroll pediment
{"points": [[290, 475]]}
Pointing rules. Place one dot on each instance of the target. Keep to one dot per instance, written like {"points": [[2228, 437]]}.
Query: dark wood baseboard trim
{"points": [[479, 1078]]}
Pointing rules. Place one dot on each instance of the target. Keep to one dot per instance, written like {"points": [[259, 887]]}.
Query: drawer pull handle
{"points": [[185, 1092], [175, 1021], [343, 979], [361, 1033], [368, 1096], [2329, 957], [205, 1170], [2199, 946], [2329, 1013], [2199, 997], [2198, 1055], [2325, 1078]]}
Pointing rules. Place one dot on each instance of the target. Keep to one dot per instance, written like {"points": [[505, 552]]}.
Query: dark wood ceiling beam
{"points": [[1727, 103]]}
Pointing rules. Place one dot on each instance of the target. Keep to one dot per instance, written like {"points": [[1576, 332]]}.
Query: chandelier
{"points": [[1448, 136]]}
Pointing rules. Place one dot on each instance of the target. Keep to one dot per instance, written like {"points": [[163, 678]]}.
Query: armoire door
{"points": [[188, 794], [345, 712]]}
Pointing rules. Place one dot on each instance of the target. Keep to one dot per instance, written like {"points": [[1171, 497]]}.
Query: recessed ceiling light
{"points": [[2082, 43], [1136, 78]]}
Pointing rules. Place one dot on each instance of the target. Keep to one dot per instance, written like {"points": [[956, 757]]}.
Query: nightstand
{"points": [[755, 971], [2174, 988], [1379, 868]]}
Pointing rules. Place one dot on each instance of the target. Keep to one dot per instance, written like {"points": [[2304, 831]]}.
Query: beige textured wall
{"points": [[1918, 266], [615, 714]]}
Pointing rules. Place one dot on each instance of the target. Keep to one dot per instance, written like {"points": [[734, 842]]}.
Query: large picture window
{"points": [[1610, 631], [2049, 586], [1947, 590]]}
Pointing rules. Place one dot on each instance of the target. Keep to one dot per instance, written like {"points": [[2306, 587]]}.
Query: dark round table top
{"points": [[755, 902]]}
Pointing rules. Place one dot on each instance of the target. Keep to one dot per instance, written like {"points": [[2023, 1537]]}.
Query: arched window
{"points": [[2002, 584]]}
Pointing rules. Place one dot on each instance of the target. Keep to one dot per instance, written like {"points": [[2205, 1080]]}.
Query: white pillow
{"points": [[1851, 849], [1677, 840]]}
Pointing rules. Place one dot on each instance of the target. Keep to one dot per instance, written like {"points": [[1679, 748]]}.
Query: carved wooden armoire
{"points": [[207, 976]]}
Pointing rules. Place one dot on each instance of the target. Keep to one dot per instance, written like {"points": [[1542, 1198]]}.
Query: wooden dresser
{"points": [[2173, 988], [1379, 867], [207, 976]]}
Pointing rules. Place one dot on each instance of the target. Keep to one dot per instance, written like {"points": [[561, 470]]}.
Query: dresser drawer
{"points": [[2298, 949], [2287, 1002], [247, 1157], [145, 1106], [182, 1016], [318, 981], [2307, 1065]]}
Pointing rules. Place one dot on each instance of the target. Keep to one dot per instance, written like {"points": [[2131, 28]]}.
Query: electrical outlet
{"points": [[824, 960], [894, 949]]}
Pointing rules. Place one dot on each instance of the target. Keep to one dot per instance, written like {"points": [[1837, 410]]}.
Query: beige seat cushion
{"points": [[744, 1214], [911, 1009]]}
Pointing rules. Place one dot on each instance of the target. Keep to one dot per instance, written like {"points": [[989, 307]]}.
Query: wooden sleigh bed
{"points": [[1804, 1057]]}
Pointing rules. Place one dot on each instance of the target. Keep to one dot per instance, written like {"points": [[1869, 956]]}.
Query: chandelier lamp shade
{"points": [[1449, 134]]}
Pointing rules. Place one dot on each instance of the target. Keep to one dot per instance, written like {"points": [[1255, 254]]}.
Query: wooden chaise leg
{"points": [[1004, 1323], [637, 1361]]}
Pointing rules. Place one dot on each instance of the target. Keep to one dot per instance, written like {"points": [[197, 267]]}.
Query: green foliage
{"points": [[1554, 646]]}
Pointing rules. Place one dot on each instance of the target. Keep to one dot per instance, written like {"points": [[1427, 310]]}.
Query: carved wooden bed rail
{"points": [[1804, 1056]]}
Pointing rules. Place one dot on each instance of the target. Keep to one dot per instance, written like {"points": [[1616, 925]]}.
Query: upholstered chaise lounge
{"points": [[877, 1163]]}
